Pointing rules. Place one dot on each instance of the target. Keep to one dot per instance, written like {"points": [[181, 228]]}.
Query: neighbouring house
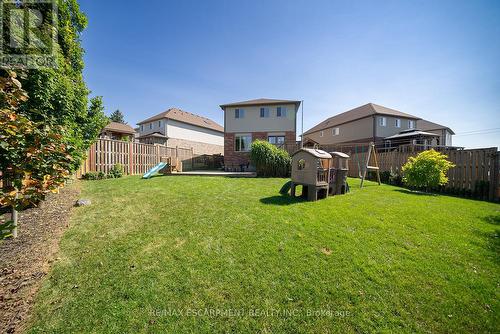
{"points": [[117, 131], [265, 119], [179, 128], [384, 126], [445, 133]]}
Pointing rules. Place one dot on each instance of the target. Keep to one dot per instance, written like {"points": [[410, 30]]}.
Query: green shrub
{"points": [[427, 170], [116, 172], [269, 160]]}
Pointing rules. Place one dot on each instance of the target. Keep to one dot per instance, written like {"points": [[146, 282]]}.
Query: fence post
{"points": [[130, 158], [494, 166]]}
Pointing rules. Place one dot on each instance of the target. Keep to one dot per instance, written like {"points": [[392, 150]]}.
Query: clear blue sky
{"points": [[439, 60]]}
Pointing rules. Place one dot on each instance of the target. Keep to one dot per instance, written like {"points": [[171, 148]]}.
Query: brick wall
{"points": [[198, 147], [232, 159]]}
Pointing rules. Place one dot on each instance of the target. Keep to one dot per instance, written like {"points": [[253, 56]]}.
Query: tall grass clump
{"points": [[269, 160]]}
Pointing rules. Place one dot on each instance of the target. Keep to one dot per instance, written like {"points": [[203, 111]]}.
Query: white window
{"points": [[276, 140], [264, 112], [335, 131], [142, 127], [159, 124], [382, 121], [281, 112], [242, 143], [411, 124], [150, 126], [321, 134], [239, 113], [397, 123]]}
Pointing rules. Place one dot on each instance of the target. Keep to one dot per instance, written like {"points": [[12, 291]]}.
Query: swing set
{"points": [[366, 162]]}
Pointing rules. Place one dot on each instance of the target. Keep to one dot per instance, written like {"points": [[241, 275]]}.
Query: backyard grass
{"points": [[208, 255]]}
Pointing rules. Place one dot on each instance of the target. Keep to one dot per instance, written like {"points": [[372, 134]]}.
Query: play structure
{"points": [[319, 173], [168, 165]]}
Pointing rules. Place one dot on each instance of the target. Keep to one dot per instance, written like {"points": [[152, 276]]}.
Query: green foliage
{"points": [[269, 160], [115, 173], [59, 96], [117, 116], [33, 155], [426, 170], [389, 177], [6, 229]]}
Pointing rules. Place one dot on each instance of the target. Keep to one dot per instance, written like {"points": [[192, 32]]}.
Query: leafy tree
{"points": [[427, 170], [117, 116], [33, 157]]}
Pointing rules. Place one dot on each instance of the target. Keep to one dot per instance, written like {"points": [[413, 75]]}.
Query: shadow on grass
{"points": [[492, 219], [281, 200], [414, 192]]}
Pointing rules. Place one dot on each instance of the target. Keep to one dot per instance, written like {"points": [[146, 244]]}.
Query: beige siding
{"points": [[252, 122], [180, 130], [360, 129], [390, 128]]}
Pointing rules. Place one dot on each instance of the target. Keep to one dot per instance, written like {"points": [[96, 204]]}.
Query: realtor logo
{"points": [[28, 34]]}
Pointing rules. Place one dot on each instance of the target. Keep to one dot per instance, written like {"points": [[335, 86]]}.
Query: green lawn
{"points": [[208, 255]]}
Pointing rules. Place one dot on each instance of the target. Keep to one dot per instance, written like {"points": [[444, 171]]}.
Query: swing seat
{"points": [[372, 168]]}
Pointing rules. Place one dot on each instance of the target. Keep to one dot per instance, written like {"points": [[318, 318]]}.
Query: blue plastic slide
{"points": [[154, 170]]}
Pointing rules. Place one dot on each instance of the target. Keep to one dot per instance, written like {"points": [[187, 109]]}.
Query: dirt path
{"points": [[27, 259]]}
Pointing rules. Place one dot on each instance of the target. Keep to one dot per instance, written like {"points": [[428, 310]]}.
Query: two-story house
{"points": [[374, 123], [179, 128], [265, 119]]}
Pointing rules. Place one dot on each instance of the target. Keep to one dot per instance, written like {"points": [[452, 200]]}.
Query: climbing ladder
{"points": [[367, 166]]}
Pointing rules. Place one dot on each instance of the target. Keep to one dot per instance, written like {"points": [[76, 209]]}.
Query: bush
{"points": [[427, 170], [116, 172], [269, 160]]}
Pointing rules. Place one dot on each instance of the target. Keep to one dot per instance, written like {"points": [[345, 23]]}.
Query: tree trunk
{"points": [[14, 220]]}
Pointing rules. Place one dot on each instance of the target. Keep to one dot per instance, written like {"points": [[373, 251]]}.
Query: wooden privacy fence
{"points": [[135, 158]]}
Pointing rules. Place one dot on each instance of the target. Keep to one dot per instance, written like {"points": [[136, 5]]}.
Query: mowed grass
{"points": [[186, 254]]}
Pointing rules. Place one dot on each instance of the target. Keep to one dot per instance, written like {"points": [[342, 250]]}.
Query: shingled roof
{"points": [[358, 113], [258, 102], [119, 127], [430, 126], [185, 117]]}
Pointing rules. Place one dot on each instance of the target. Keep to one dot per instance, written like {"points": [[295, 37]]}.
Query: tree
{"points": [[44, 137], [427, 170], [117, 116]]}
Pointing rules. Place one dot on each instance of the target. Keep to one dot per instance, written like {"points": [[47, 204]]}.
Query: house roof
{"points": [[429, 126], [119, 127], [154, 134], [185, 117], [314, 152], [358, 113], [258, 102], [412, 134]]}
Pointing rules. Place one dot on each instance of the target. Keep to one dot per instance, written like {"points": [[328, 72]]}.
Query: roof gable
{"points": [[119, 127], [363, 111], [185, 117], [261, 101]]}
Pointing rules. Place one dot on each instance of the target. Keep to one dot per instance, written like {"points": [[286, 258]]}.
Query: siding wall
{"points": [[252, 122]]}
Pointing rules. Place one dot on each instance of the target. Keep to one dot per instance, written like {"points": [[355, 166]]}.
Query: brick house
{"points": [[265, 119]]}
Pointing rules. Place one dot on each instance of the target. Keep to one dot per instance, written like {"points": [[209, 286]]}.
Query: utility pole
{"points": [[302, 135]]}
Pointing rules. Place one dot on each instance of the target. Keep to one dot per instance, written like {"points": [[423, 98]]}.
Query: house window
{"points": [[142, 127], [335, 131], [301, 164], [276, 140], [242, 143], [411, 124], [150, 126], [382, 121], [239, 113], [281, 112], [264, 112], [159, 124], [321, 134], [397, 123]]}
